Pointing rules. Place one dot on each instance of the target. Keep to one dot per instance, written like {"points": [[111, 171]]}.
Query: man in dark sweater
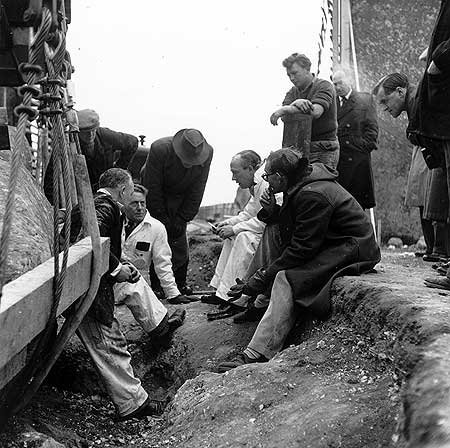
{"points": [[175, 174], [316, 97]]}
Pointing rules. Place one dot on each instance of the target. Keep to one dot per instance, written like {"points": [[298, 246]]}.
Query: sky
{"points": [[153, 68]]}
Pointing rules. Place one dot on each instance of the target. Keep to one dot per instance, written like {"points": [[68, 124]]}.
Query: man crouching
{"points": [[324, 233]]}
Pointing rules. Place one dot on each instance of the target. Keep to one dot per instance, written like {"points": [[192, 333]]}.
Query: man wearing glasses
{"points": [[323, 233]]}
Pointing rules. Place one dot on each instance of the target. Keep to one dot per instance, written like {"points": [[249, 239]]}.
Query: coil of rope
{"points": [[66, 156]]}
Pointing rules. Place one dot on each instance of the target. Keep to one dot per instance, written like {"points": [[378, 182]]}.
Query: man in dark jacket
{"points": [[100, 331], [429, 126], [102, 147], [357, 133], [175, 174], [324, 233]]}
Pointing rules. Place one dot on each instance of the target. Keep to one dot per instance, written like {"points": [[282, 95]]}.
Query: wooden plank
{"points": [[12, 367], [27, 300]]}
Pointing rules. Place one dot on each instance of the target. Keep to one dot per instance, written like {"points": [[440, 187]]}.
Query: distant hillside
{"points": [[389, 37]]}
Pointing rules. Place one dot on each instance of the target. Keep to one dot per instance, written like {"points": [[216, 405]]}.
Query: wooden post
{"points": [[297, 132]]}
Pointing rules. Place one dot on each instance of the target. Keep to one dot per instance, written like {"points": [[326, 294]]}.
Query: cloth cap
{"points": [[88, 119], [191, 147]]}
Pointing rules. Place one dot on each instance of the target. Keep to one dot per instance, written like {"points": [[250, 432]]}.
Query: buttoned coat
{"points": [[358, 134]]}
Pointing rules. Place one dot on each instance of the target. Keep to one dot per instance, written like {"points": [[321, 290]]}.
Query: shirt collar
{"points": [[348, 94]]}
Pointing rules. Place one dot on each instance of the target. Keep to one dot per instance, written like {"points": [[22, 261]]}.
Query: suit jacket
{"points": [[358, 134]]}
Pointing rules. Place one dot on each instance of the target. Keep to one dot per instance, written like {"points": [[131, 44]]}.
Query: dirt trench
{"points": [[337, 385]]}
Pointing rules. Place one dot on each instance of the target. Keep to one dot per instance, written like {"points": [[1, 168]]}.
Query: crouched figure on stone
{"points": [[323, 233]]}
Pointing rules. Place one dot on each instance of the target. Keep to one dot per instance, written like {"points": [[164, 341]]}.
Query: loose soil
{"points": [[330, 349]]}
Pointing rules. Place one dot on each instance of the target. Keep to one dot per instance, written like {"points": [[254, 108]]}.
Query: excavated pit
{"points": [[375, 375]]}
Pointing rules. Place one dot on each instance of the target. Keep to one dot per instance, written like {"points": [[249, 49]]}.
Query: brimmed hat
{"points": [[191, 147], [88, 119]]}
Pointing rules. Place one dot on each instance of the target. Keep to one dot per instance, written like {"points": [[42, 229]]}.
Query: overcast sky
{"points": [[153, 68]]}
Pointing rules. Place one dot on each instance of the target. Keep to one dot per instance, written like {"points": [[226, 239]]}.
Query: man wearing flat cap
{"points": [[175, 174]]}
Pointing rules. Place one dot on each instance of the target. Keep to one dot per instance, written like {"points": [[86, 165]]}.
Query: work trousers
{"points": [[278, 320], [235, 257], [446, 150], [142, 302], [180, 258], [107, 347], [325, 151]]}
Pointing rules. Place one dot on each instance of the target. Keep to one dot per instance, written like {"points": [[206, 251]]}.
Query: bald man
{"points": [[357, 133]]}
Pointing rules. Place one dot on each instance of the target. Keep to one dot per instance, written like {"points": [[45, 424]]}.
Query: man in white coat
{"points": [[145, 241], [241, 233]]}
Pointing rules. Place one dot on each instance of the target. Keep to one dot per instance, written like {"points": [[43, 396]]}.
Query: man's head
{"points": [[243, 167], [191, 147], [119, 183], [390, 93], [341, 83], [298, 68], [88, 123], [136, 209], [285, 168]]}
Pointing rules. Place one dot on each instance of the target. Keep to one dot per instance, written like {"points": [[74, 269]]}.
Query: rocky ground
{"points": [[340, 387]]}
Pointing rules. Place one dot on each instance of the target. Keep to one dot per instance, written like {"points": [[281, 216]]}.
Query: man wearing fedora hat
{"points": [[175, 174]]}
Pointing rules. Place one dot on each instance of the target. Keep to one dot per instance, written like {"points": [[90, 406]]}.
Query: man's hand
{"points": [[124, 274], [236, 290], [135, 274], [275, 116], [268, 201], [303, 106], [256, 284], [225, 232], [222, 224]]}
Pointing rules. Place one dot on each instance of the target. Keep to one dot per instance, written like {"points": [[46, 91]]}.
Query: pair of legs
{"points": [[234, 260]]}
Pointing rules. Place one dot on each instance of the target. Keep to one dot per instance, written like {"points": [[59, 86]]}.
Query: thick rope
{"points": [[25, 111]]}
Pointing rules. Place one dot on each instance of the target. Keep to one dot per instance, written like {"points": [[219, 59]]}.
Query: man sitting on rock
{"points": [[241, 233], [146, 242], [324, 233]]}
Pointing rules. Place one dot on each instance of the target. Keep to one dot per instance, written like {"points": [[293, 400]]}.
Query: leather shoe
{"points": [[179, 300], [250, 315], [240, 360], [212, 299], [149, 407], [176, 319], [438, 282]]}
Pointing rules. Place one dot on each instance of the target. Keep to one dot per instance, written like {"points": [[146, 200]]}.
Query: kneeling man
{"points": [[241, 233], [324, 233]]}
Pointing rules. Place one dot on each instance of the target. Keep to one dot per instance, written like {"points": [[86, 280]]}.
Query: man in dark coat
{"points": [[357, 133], [324, 233], [100, 331], [429, 126], [175, 174]]}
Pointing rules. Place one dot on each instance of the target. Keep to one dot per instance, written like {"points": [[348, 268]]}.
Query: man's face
{"points": [[298, 75], [276, 181], [341, 85], [87, 139], [393, 102], [136, 208], [244, 177]]}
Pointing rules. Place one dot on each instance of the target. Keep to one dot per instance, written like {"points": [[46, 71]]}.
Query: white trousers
{"points": [[235, 257], [108, 349], [142, 302]]}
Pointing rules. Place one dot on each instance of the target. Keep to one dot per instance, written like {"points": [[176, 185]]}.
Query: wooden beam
{"points": [[27, 300]]}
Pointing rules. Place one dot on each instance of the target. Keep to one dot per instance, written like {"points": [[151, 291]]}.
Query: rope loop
{"points": [[26, 88], [30, 111]]}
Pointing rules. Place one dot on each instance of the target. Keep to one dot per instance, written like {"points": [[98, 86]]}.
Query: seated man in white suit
{"points": [[241, 233]]}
